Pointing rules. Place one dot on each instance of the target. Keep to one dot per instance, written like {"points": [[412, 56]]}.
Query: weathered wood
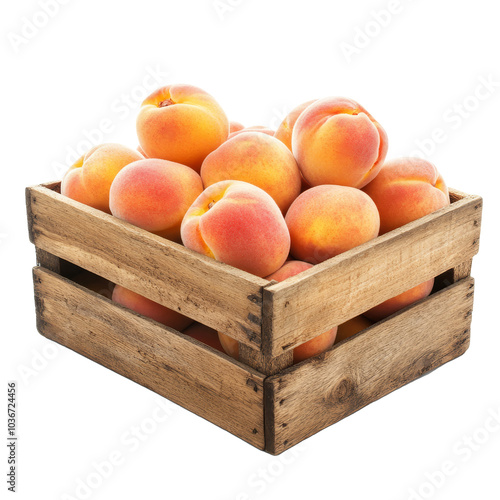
{"points": [[462, 271], [265, 364], [261, 359], [213, 293], [349, 284], [314, 394], [175, 366]]}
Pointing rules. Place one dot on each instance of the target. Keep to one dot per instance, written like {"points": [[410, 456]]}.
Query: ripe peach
{"points": [[325, 221], [405, 190], [336, 141], [89, 179], [235, 126], [306, 350], [351, 327], [142, 305], [288, 269], [181, 123], [258, 159], [204, 334], [315, 346], [229, 345], [255, 128], [400, 301], [285, 130], [155, 195], [239, 224]]}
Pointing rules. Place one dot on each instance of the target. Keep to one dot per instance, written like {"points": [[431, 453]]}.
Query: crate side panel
{"points": [[170, 364], [351, 283], [217, 295], [323, 390]]}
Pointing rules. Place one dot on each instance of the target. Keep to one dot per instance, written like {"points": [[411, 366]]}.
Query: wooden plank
{"points": [[351, 283], [175, 366], [261, 360], [314, 394], [213, 293]]}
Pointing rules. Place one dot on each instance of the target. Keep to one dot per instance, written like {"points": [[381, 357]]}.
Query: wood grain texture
{"points": [[262, 359], [213, 293], [169, 363], [314, 394], [349, 284]]}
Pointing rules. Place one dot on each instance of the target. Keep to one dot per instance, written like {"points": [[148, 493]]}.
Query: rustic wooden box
{"points": [[261, 399]]}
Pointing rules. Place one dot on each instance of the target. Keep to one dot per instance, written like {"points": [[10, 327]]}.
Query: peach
{"points": [[142, 151], [239, 224], [405, 190], [325, 221], [89, 179], [288, 269], [229, 345], [204, 334], [255, 128], [285, 130], [155, 195], [402, 300], [181, 123], [351, 327], [336, 141], [258, 159], [142, 305], [315, 346], [306, 350], [235, 126]]}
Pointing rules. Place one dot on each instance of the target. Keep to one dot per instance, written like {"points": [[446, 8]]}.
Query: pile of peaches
{"points": [[272, 203]]}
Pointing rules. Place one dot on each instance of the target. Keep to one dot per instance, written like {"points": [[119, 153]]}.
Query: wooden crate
{"points": [[262, 398]]}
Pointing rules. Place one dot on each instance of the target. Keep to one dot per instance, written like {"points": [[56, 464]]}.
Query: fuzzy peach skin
{"points": [[306, 350], [351, 327], [181, 123], [402, 300], [89, 179], [325, 221], [255, 128], [285, 130], [405, 190], [235, 126], [258, 159], [155, 195], [150, 309], [239, 224], [336, 141], [204, 334]]}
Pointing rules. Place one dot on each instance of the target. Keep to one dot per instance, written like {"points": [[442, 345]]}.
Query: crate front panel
{"points": [[220, 296], [353, 282], [192, 375], [308, 397]]}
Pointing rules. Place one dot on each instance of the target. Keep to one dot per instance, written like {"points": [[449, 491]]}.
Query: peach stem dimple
{"points": [[166, 102]]}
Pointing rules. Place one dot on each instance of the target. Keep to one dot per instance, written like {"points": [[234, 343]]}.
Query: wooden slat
{"points": [[261, 359], [351, 283], [310, 396], [175, 366], [213, 293]]}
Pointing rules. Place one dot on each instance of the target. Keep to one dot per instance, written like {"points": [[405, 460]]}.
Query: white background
{"points": [[89, 62]]}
